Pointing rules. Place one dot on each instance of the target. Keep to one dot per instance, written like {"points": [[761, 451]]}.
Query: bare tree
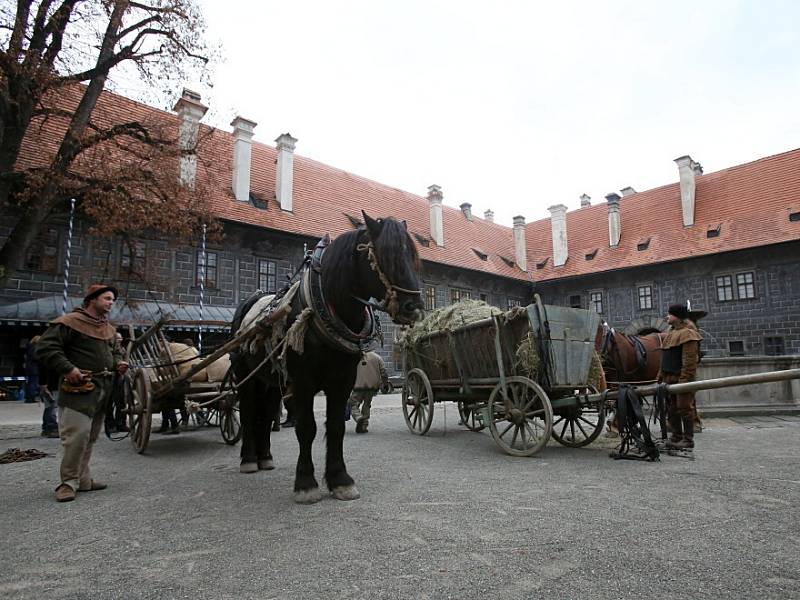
{"points": [[56, 59]]}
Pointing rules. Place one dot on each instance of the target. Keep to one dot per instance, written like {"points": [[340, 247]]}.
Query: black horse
{"points": [[333, 303]]}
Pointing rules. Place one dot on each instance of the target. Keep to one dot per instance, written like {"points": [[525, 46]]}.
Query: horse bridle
{"points": [[390, 303]]}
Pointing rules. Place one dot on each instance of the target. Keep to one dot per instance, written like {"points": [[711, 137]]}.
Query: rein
{"points": [[390, 304]]}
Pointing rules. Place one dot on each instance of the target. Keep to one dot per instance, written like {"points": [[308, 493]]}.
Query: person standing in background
{"points": [[370, 377]]}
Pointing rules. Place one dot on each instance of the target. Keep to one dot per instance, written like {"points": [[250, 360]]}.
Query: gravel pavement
{"points": [[447, 515]]}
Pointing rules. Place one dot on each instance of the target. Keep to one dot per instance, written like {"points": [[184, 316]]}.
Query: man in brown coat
{"points": [[679, 360], [80, 347]]}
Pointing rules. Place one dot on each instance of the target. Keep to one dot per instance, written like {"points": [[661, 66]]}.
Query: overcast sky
{"points": [[513, 106]]}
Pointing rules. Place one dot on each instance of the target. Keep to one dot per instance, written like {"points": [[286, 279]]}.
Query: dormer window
{"points": [[591, 255], [643, 245], [480, 253], [258, 201], [713, 232], [423, 241], [542, 263], [508, 261], [794, 217]]}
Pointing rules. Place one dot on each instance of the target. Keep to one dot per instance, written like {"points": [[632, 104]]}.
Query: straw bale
{"points": [[449, 318]]}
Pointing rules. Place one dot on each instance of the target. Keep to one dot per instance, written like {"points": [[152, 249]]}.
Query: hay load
{"points": [[449, 318], [477, 354], [476, 350]]}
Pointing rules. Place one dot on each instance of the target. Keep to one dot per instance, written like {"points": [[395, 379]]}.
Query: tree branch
{"points": [[56, 28], [20, 24], [38, 34], [136, 26], [156, 9]]}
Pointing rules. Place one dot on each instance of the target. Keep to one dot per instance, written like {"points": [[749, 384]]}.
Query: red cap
{"points": [[98, 288]]}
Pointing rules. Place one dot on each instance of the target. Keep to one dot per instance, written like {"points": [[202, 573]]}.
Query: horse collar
{"points": [[328, 325], [319, 250]]}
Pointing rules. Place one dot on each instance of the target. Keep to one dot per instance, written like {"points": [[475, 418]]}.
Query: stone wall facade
{"points": [[248, 258], [757, 314]]}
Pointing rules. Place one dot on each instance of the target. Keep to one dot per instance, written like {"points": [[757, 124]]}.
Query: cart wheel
{"points": [[578, 426], [228, 408], [418, 402], [140, 411], [469, 416], [211, 418], [524, 429]]}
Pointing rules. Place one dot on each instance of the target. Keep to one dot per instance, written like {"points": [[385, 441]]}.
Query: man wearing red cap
{"points": [[679, 360], [81, 347]]}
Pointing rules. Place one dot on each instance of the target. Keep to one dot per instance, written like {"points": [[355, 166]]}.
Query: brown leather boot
{"points": [[688, 432], [677, 431], [64, 493]]}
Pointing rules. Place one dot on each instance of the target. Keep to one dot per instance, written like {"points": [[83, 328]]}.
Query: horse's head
{"points": [[394, 266]]}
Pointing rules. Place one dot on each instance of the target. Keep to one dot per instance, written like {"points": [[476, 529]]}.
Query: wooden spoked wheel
{"points": [[524, 426], [211, 416], [140, 411], [417, 401], [578, 426], [469, 411], [230, 425]]}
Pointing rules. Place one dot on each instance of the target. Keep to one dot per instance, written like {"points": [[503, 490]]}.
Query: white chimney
{"points": [[688, 169], [466, 208], [190, 110], [242, 142], [437, 225], [284, 178], [558, 225], [489, 215], [586, 200], [627, 191], [520, 249], [614, 228]]}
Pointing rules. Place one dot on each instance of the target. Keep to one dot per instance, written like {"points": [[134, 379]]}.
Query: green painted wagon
{"points": [[478, 366]]}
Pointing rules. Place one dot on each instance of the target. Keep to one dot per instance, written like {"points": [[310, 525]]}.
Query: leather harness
{"points": [[325, 322]]}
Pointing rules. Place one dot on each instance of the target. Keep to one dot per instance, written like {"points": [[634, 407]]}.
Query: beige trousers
{"points": [[360, 404], [78, 434]]}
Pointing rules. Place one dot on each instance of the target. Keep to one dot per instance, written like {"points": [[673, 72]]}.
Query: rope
{"points": [[194, 406], [69, 252], [296, 335], [390, 303], [15, 455]]}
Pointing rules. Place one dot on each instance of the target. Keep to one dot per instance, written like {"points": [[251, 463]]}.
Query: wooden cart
{"points": [[158, 384], [477, 366]]}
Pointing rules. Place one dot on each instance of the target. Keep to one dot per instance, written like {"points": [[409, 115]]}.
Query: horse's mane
{"points": [[394, 237], [339, 262]]}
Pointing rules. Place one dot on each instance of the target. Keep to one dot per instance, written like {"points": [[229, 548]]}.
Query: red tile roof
{"points": [[324, 196], [751, 202]]}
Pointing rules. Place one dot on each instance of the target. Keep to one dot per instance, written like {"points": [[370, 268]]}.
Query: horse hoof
{"points": [[266, 464], [248, 467], [308, 496], [346, 492]]}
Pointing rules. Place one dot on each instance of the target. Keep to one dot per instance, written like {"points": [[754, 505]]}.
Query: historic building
{"points": [[726, 241]]}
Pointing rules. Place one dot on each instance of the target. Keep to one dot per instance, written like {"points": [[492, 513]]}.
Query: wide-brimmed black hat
{"points": [[98, 288], [696, 315], [678, 310]]}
